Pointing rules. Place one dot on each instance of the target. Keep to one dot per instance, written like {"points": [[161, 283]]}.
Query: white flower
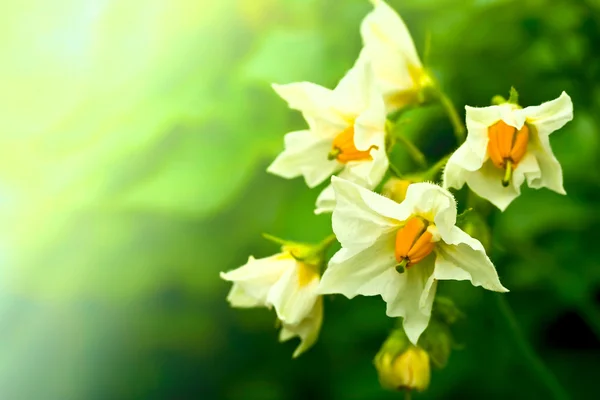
{"points": [[507, 145], [401, 250], [347, 133], [396, 64], [288, 285]]}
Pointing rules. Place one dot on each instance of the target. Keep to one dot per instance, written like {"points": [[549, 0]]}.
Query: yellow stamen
{"points": [[414, 242], [507, 174], [344, 150], [507, 147]]}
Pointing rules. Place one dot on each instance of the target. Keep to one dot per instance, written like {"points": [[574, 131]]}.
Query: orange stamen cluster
{"points": [[344, 150], [413, 243], [507, 146]]}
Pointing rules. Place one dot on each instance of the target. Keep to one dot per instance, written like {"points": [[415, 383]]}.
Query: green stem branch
{"points": [[591, 315], [530, 357], [455, 119], [432, 172], [413, 150]]}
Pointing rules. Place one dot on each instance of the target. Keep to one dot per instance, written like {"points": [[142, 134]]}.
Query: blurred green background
{"points": [[135, 136]]}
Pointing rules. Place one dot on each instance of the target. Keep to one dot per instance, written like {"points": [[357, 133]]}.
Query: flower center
{"points": [[506, 147], [414, 241], [343, 148]]}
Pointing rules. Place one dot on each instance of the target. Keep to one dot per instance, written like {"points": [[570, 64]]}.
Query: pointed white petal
{"points": [[312, 100], [461, 257], [308, 329], [551, 175], [351, 95], [237, 297], [551, 115], [325, 201], [432, 202], [383, 26], [545, 119], [291, 298], [412, 298], [369, 125], [361, 216], [256, 277], [455, 174], [305, 155], [357, 271]]}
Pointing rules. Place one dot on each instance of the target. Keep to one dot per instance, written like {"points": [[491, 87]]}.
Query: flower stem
{"points": [[534, 362], [431, 173], [455, 119], [327, 242], [591, 315], [412, 149], [407, 395]]}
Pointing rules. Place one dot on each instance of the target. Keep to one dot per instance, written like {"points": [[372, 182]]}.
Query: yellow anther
{"points": [[507, 147], [344, 150], [414, 242]]}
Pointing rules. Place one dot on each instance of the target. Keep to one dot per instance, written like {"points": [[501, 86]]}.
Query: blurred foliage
{"points": [[135, 137]]}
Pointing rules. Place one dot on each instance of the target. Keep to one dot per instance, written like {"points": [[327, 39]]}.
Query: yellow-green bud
{"points": [[395, 189], [402, 365], [409, 370]]}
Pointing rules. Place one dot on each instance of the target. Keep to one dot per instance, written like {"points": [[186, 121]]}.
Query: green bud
{"points": [[437, 341], [402, 365], [395, 189]]}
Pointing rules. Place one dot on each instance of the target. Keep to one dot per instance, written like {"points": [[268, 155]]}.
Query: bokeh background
{"points": [[134, 137]]}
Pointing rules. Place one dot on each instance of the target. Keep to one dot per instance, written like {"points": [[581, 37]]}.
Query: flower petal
{"points": [[551, 175], [312, 100], [551, 115], [361, 271], [487, 181], [308, 329], [238, 298], [461, 257], [292, 299], [256, 277], [369, 125], [361, 216], [411, 297], [455, 173], [383, 25], [325, 201], [545, 119], [432, 202], [351, 95], [305, 154], [368, 173]]}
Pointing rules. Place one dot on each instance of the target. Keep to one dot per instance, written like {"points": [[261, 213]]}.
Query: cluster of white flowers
{"points": [[398, 251]]}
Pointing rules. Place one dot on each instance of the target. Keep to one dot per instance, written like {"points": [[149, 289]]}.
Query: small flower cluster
{"points": [[397, 246]]}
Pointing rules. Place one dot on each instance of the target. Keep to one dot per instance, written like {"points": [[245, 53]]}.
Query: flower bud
{"points": [[402, 365], [395, 189]]}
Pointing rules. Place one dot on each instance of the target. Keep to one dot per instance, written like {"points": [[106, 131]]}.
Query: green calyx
{"points": [[312, 254], [513, 98], [437, 339]]}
